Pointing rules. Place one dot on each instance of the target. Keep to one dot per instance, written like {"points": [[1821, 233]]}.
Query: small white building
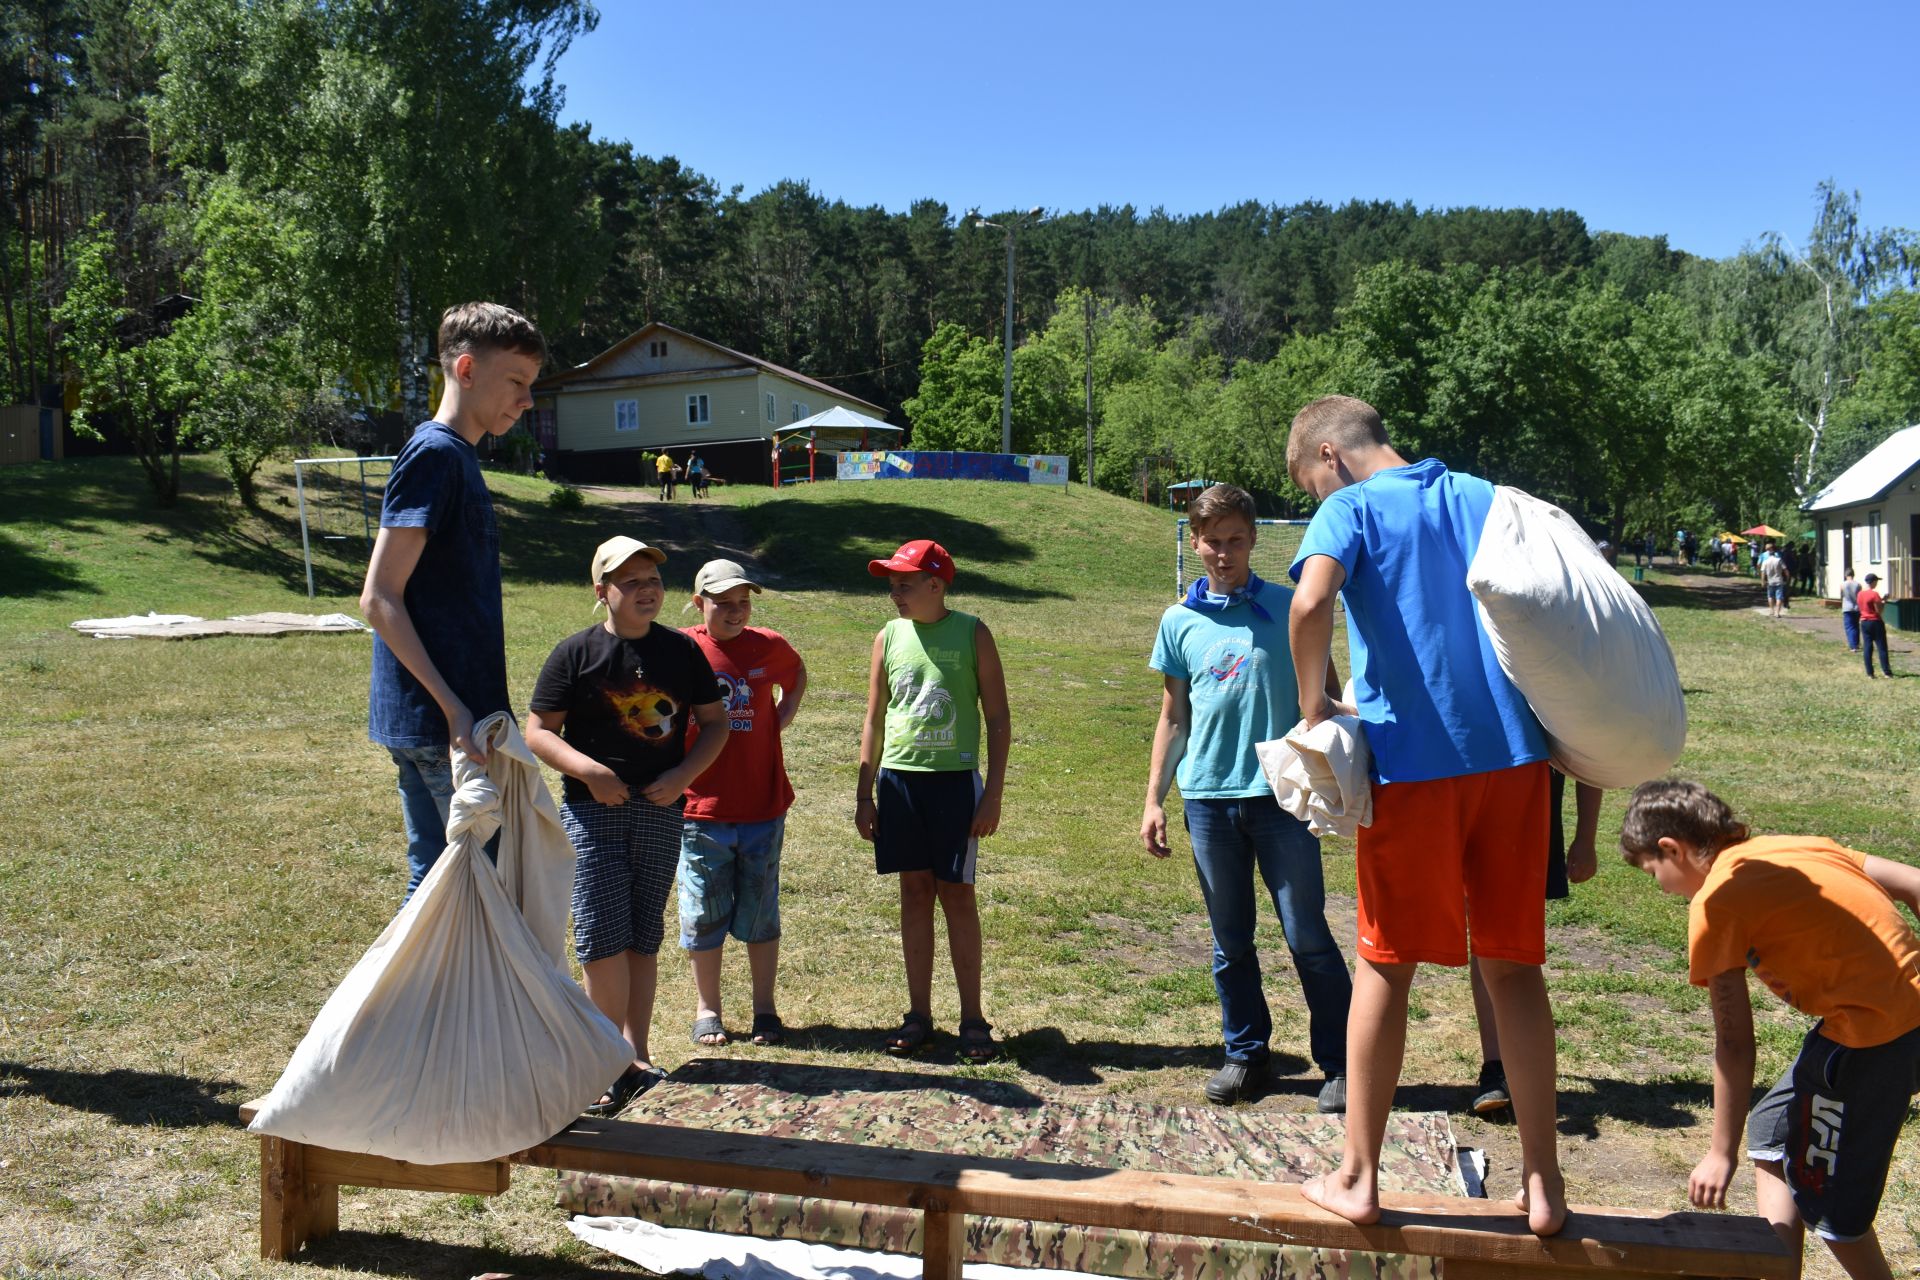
{"points": [[663, 389], [1868, 519]]}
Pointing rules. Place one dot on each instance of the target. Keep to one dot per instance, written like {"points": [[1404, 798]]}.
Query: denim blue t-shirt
{"points": [[1239, 674], [453, 596], [1430, 692]]}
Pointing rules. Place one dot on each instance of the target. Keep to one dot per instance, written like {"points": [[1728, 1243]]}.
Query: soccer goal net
{"points": [[339, 510], [1273, 551]]}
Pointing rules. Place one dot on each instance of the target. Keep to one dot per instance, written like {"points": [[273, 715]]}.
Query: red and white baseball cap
{"points": [[922, 555]]}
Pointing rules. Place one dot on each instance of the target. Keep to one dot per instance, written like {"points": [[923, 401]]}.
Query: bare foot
{"points": [[1552, 1199], [1344, 1194]]}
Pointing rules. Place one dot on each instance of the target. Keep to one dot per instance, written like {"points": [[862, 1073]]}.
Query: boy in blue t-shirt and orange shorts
{"points": [[1459, 772]]}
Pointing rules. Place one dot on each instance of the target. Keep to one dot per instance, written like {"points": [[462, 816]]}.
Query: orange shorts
{"points": [[1448, 851]]}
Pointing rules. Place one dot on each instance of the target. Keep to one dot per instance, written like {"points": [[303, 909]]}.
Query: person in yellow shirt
{"points": [[1818, 924]]}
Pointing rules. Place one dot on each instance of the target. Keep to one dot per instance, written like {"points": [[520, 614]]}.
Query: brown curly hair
{"points": [[1684, 811]]}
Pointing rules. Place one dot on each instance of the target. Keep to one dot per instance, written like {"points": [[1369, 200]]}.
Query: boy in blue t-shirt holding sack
{"points": [[1460, 780], [1223, 655]]}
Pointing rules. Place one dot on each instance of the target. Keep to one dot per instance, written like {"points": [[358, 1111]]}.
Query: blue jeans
{"points": [[426, 789], [1873, 632], [1850, 621], [1230, 839]]}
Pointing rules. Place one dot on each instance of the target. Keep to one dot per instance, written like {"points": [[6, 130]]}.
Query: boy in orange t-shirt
{"points": [[1818, 924]]}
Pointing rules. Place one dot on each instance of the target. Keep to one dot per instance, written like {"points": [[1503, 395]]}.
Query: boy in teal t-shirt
{"points": [[921, 801], [1229, 684]]}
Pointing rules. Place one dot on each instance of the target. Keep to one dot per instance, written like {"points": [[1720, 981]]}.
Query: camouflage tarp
{"points": [[990, 1118]]}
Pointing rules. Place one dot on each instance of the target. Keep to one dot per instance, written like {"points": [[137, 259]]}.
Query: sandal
{"points": [[911, 1037], [635, 1080], [768, 1029], [709, 1026], [976, 1041]]}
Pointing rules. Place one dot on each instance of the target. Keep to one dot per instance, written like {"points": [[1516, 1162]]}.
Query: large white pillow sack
{"points": [[1582, 646]]}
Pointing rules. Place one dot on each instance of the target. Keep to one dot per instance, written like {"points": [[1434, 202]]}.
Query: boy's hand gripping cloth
{"points": [[1320, 775], [459, 1036], [1580, 644]]}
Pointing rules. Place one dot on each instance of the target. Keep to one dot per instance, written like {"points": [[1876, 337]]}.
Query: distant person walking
{"points": [[1773, 575], [1850, 611], [1873, 625], [663, 468]]}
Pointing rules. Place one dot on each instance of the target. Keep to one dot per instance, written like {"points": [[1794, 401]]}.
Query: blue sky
{"points": [[1708, 122]]}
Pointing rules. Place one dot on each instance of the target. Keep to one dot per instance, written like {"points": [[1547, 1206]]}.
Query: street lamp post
{"points": [[1010, 226]]}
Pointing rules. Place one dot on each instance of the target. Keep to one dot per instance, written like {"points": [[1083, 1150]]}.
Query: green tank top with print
{"points": [[933, 695]]}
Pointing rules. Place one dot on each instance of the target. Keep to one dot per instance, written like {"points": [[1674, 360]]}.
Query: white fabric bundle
{"points": [[460, 1036], [1580, 644], [1320, 775]]}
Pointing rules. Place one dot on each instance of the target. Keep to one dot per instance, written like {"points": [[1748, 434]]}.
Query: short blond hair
{"points": [[1340, 420]]}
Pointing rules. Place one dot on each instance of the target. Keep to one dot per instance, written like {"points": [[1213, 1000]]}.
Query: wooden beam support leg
{"points": [[944, 1246], [286, 1215]]}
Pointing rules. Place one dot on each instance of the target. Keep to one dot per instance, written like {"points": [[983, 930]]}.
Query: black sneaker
{"points": [[1333, 1097], [1492, 1097], [1237, 1082]]}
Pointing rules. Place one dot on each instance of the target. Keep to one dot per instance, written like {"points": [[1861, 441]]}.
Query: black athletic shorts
{"points": [[1834, 1118], [924, 822]]}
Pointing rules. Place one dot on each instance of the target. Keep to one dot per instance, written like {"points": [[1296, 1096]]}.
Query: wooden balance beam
{"points": [[1477, 1239]]}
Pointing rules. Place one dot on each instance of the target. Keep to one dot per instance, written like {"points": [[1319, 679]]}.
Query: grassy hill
{"points": [[201, 841]]}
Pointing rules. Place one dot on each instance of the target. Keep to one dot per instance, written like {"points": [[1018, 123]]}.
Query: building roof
{"points": [[739, 359], [1874, 476]]}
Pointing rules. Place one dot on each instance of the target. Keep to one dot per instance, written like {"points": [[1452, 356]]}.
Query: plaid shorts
{"points": [[625, 856]]}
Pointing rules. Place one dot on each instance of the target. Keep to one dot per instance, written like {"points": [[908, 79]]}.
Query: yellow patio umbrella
{"points": [[1763, 531], [1730, 537]]}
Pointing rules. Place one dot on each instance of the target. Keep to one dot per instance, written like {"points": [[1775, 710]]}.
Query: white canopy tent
{"points": [[836, 430]]}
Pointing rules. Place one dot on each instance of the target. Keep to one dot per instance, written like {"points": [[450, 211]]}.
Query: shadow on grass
{"points": [[129, 1097], [27, 572], [1048, 1053], [809, 1080], [1667, 1105], [827, 545], [388, 1253]]}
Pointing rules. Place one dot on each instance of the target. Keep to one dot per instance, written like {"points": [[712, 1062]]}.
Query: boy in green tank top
{"points": [[921, 801]]}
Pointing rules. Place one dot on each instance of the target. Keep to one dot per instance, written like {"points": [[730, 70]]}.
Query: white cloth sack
{"points": [[1320, 775], [459, 1035], [1581, 644], [671, 1250]]}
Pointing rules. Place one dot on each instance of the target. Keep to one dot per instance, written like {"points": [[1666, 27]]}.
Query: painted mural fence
{"points": [[897, 464]]}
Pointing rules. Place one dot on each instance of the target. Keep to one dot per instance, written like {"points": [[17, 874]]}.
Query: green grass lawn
{"points": [[200, 841]]}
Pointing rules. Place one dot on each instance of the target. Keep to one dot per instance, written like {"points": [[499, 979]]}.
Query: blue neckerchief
{"points": [[1201, 600]]}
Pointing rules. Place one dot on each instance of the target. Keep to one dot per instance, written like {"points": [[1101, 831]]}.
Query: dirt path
{"points": [[1808, 615]]}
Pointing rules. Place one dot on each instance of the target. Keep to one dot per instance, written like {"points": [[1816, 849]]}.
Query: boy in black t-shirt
{"points": [[610, 712]]}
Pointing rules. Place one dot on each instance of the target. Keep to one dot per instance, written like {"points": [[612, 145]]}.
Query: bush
{"points": [[564, 497]]}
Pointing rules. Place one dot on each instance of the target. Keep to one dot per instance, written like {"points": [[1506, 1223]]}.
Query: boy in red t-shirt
{"points": [[1818, 924], [1873, 624], [736, 815]]}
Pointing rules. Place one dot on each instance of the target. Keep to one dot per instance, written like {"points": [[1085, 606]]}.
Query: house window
{"points": [[626, 415], [1873, 537], [697, 411], [656, 349], [800, 410], [773, 407]]}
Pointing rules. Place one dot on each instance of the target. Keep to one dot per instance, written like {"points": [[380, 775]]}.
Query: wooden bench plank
{"points": [[1694, 1244], [1478, 1239]]}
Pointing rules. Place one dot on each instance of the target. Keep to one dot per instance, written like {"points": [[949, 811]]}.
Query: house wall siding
{"points": [[1899, 561], [585, 417]]}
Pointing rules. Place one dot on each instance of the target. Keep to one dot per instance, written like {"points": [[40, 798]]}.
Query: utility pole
{"points": [[1089, 473], [1010, 226]]}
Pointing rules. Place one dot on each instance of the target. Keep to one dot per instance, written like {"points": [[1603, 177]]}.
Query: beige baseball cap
{"points": [[614, 552], [716, 576]]}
